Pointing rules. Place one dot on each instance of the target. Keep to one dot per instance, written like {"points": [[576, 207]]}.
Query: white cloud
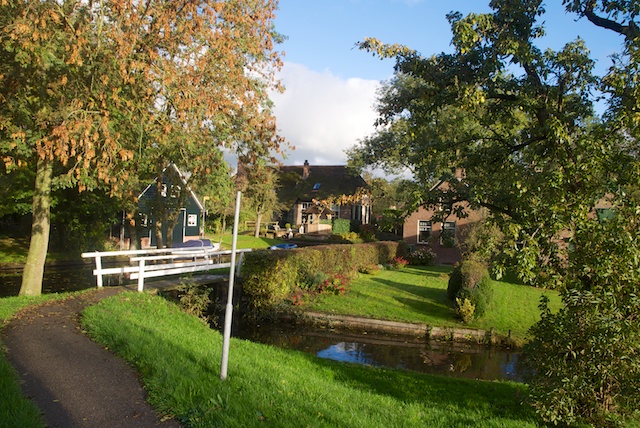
{"points": [[322, 114]]}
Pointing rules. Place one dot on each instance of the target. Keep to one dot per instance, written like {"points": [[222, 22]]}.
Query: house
{"points": [[315, 195], [426, 227], [190, 209]]}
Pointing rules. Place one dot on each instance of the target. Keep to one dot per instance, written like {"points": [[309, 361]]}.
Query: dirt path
{"points": [[73, 380]]}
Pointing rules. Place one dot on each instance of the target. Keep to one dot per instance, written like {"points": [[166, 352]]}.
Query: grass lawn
{"points": [[245, 240], [15, 409], [419, 294], [14, 250], [178, 358]]}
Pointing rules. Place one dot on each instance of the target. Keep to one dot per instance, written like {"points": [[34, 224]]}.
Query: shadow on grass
{"points": [[266, 382], [427, 271], [491, 399]]}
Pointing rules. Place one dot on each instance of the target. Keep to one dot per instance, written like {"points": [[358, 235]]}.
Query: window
{"points": [[448, 235], [192, 220], [424, 231], [144, 220], [175, 191], [316, 187]]}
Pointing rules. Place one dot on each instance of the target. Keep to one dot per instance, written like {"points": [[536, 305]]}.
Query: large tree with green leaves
{"points": [[520, 123], [108, 93]]}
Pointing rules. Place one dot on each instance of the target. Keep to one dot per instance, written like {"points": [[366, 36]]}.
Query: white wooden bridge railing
{"points": [[161, 262]]}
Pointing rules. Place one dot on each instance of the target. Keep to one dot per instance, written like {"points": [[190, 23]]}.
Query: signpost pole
{"points": [[229, 308]]}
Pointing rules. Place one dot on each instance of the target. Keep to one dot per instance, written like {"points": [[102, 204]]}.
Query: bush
{"points": [[465, 275], [340, 226], [195, 300], [584, 358], [271, 276], [465, 309], [423, 256], [480, 296], [399, 262], [337, 285], [470, 281], [348, 237]]}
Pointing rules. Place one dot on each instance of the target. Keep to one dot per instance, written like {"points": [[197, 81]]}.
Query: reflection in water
{"points": [[444, 358], [57, 279]]}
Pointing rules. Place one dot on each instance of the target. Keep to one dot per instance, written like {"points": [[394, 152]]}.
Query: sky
{"points": [[330, 96]]}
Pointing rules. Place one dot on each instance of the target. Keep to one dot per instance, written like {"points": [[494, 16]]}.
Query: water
{"points": [[57, 279], [444, 358], [434, 357]]}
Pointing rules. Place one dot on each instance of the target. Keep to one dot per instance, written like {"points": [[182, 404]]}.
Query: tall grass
{"points": [[419, 295], [178, 358]]}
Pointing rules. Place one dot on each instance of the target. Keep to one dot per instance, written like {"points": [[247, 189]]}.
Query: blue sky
{"points": [[331, 86]]}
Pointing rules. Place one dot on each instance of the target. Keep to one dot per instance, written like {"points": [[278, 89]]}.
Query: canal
{"points": [[406, 353]]}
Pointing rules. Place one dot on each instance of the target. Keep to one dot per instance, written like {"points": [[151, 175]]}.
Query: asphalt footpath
{"points": [[74, 381]]}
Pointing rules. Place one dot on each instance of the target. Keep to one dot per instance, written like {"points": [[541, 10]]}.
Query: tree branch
{"points": [[630, 31]]}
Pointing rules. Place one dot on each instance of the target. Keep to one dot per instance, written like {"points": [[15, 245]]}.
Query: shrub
{"points": [[399, 262], [423, 256], [465, 309], [584, 358], [369, 270], [271, 276], [340, 226], [349, 237], [195, 300], [465, 275], [480, 296], [470, 280], [337, 285]]}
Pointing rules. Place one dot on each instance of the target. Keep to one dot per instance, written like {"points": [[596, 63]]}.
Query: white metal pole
{"points": [[229, 309]]}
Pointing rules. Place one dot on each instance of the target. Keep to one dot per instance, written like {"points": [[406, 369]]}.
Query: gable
{"points": [[192, 203]]}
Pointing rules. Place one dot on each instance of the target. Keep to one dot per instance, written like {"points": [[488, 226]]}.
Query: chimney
{"points": [[305, 170]]}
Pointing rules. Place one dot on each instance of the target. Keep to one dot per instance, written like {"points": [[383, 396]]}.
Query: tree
{"points": [[111, 92], [259, 185], [521, 126], [388, 203]]}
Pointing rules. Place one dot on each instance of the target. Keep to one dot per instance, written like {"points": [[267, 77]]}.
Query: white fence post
{"points": [[99, 271], [141, 276]]}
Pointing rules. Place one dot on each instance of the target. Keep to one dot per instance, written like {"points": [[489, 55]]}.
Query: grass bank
{"points": [[419, 295], [178, 358], [15, 409]]}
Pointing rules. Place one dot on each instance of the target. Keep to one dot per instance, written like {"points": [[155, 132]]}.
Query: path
{"points": [[74, 381]]}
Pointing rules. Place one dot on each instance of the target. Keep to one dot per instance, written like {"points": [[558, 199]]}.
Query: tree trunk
{"points": [[132, 227], [158, 231], [256, 232], [169, 239], [40, 228]]}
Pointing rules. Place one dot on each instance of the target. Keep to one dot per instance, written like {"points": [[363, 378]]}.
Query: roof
{"points": [[150, 190], [322, 182]]}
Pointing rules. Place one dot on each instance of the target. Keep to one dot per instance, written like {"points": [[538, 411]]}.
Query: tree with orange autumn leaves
{"points": [[107, 93]]}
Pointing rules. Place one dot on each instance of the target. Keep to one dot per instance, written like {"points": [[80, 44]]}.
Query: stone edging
{"points": [[455, 334]]}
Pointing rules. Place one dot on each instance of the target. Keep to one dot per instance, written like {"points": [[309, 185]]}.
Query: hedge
{"points": [[271, 275]]}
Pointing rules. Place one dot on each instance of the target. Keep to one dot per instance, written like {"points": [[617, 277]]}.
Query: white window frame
{"points": [[424, 224]]}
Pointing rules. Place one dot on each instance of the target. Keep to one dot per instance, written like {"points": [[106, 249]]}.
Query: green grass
{"points": [[14, 250], [245, 240], [178, 358], [419, 294], [15, 409]]}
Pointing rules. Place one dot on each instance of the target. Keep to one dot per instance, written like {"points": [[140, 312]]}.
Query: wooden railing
{"points": [[161, 262]]}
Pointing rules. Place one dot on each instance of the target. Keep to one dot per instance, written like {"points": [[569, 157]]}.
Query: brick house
{"points": [[426, 228]]}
